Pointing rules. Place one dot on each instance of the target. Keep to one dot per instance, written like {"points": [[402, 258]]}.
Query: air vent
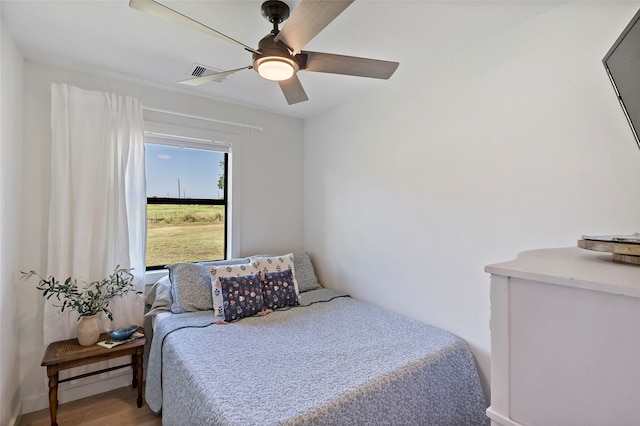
{"points": [[199, 70]]}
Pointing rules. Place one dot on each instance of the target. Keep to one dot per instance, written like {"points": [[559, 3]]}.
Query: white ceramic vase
{"points": [[88, 330]]}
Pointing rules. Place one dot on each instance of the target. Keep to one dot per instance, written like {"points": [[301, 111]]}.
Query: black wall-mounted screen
{"points": [[622, 63]]}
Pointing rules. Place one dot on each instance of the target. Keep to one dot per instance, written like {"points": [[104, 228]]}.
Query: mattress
{"points": [[159, 317], [331, 360]]}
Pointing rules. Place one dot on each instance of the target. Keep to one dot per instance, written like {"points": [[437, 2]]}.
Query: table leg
{"points": [[134, 367], [53, 396], [138, 371]]}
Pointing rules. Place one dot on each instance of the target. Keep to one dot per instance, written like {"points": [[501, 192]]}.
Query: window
{"points": [[186, 200]]}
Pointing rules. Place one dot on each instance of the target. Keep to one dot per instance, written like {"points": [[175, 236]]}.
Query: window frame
{"points": [[194, 138]]}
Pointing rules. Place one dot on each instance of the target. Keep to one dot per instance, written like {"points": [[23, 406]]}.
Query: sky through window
{"points": [[193, 172]]}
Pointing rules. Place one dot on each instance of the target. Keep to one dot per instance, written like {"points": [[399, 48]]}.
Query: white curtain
{"points": [[97, 210]]}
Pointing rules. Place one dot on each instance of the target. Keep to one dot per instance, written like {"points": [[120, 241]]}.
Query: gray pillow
{"points": [[232, 261], [191, 285], [158, 298], [305, 274]]}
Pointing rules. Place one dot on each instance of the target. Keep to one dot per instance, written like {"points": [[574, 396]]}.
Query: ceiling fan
{"points": [[279, 55]]}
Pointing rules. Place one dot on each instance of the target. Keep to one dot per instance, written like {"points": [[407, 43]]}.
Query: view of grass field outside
{"points": [[184, 233], [176, 230]]}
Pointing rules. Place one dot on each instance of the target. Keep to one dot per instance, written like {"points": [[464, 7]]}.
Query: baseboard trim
{"points": [[15, 416], [498, 419]]}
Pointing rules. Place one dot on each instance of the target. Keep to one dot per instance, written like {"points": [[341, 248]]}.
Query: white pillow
{"points": [[226, 271], [268, 264]]}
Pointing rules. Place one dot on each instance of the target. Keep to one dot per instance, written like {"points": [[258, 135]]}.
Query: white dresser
{"points": [[565, 339]]}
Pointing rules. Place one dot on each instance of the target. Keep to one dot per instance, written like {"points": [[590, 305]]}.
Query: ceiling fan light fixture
{"points": [[279, 55], [276, 68]]}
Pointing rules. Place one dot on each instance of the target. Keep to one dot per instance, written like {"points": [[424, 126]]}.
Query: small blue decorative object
{"points": [[122, 333]]}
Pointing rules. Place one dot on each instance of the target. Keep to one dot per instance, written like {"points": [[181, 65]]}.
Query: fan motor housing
{"points": [[271, 50]]}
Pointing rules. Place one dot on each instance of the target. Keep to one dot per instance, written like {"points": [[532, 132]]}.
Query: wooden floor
{"points": [[116, 407]]}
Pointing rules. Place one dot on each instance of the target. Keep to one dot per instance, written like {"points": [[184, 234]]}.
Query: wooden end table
{"points": [[67, 354]]}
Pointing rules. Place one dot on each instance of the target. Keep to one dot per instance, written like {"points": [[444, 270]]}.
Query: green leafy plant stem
{"points": [[90, 299]]}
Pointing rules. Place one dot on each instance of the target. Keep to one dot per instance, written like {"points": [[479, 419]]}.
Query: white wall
{"points": [[515, 143], [269, 208], [11, 64]]}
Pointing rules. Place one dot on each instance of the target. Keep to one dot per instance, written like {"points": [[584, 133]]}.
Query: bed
{"points": [[329, 359]]}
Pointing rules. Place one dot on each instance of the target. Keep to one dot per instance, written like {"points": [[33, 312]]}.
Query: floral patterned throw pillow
{"points": [[268, 264], [226, 271], [278, 289], [242, 296]]}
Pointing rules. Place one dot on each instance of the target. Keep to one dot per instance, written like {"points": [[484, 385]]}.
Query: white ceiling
{"points": [[110, 37]]}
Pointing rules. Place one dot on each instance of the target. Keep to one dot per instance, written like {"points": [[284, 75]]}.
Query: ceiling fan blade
{"points": [[349, 65], [206, 78], [293, 90], [161, 11], [308, 19]]}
